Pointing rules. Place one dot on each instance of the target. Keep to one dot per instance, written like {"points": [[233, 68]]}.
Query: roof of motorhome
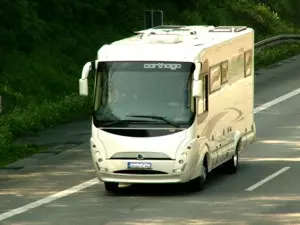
{"points": [[180, 34], [166, 40]]}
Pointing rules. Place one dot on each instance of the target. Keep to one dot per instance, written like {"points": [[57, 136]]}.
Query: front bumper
{"points": [[163, 171]]}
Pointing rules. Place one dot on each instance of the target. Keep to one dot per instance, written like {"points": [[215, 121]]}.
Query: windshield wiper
{"points": [[114, 122], [154, 117]]}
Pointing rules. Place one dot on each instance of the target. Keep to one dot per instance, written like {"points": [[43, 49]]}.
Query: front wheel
{"points": [[198, 183], [111, 187]]}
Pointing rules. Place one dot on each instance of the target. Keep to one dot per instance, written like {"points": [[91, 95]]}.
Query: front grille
{"points": [[140, 172], [146, 155], [135, 158]]}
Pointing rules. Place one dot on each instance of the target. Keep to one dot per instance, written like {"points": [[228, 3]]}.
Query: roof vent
{"points": [[228, 29], [169, 27], [164, 39]]}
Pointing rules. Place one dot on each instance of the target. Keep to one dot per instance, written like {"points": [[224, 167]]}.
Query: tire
{"points": [[231, 166], [197, 184], [111, 187]]}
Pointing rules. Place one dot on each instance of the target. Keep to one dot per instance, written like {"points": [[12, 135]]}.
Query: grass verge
{"points": [[33, 119]]}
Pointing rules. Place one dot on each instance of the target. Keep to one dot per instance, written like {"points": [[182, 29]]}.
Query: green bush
{"points": [[36, 117], [275, 54]]}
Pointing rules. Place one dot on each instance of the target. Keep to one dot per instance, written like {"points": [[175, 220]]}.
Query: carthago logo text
{"points": [[171, 66]]}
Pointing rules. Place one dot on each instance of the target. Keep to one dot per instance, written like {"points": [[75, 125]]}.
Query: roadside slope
{"points": [[45, 44]]}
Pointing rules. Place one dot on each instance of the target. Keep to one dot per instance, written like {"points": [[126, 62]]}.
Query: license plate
{"points": [[139, 165]]}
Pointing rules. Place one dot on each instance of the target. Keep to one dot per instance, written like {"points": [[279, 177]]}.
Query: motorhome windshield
{"points": [[131, 94]]}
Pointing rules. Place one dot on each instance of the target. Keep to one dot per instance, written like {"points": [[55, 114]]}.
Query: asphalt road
{"points": [[225, 199]]}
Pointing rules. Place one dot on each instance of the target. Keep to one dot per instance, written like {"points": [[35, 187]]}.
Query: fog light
{"points": [[183, 167], [98, 167], [98, 157]]}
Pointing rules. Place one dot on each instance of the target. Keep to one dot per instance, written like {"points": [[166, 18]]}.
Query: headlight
{"points": [[182, 158]]}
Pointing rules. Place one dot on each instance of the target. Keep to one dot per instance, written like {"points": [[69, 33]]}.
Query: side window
{"points": [[215, 78], [191, 99], [224, 72], [237, 67], [98, 88], [205, 90], [97, 91], [248, 63]]}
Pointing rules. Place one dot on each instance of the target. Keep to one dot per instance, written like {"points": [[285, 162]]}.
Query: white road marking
{"points": [[49, 199], [272, 176], [276, 101], [94, 181]]}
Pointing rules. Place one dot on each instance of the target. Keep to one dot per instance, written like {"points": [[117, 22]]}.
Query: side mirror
{"points": [[197, 88], [83, 87], [83, 81], [197, 84]]}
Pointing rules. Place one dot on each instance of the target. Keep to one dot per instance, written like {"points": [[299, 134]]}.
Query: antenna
{"points": [[153, 18]]}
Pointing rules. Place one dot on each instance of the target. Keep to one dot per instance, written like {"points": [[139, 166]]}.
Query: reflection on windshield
{"points": [[141, 88]]}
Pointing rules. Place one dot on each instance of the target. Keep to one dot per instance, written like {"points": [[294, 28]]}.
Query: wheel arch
{"points": [[203, 157]]}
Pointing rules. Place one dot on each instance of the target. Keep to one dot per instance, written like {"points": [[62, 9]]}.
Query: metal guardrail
{"points": [[279, 39]]}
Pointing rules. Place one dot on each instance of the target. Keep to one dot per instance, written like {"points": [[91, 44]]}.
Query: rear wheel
{"points": [[111, 187], [231, 166]]}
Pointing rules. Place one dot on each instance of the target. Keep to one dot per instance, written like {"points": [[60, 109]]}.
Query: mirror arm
{"points": [[86, 69], [83, 81], [197, 82], [197, 70]]}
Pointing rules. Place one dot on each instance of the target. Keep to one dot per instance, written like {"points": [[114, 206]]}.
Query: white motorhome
{"points": [[171, 103]]}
